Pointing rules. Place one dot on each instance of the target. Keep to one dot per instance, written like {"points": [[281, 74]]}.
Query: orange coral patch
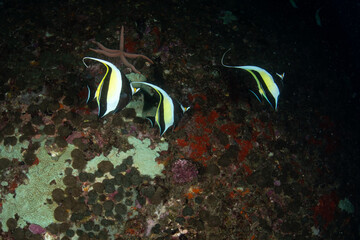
{"points": [[213, 116], [182, 142], [13, 186], [197, 190], [189, 195], [230, 129], [36, 162]]}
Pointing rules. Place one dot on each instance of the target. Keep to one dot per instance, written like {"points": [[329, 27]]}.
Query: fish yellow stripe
{"points": [[157, 115], [168, 106], [98, 90], [108, 97]]}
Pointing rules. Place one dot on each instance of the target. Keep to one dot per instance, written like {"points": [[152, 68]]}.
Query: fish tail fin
{"points": [[281, 76]]}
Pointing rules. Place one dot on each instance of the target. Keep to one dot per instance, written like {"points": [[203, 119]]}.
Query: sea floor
{"points": [[233, 168]]}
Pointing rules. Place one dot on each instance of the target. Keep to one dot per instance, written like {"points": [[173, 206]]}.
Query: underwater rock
{"points": [[120, 195], [28, 130], [229, 156], [9, 129], [108, 205], [83, 176], [98, 187], [70, 233], [18, 233], [120, 209], [60, 141], [78, 157], [213, 221], [105, 166], [68, 171], [69, 180], [34, 146], [73, 191], [88, 226], [69, 202], [97, 209], [212, 169], [60, 214], [4, 163], [187, 211], [58, 195], [11, 223], [64, 131], [117, 120], [109, 186], [55, 147], [92, 197], [29, 158], [148, 191], [10, 141]]}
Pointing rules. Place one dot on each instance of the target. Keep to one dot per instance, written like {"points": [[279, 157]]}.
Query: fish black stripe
{"points": [[178, 112], [126, 93], [161, 114], [267, 92]]}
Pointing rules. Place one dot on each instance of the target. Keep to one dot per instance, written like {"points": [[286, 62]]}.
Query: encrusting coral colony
{"points": [[159, 138]]}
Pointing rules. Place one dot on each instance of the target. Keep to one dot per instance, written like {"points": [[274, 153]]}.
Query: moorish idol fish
{"points": [[114, 91], [266, 78], [169, 111]]}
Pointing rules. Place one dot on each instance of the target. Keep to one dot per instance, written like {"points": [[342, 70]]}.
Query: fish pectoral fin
{"points": [[255, 95], [281, 76], [91, 94], [264, 96], [151, 120], [269, 101]]}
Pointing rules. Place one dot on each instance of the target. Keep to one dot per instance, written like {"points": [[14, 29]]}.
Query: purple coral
{"points": [[36, 229], [183, 171]]}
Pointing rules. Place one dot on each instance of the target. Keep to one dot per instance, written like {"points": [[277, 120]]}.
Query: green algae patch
{"points": [[136, 77], [30, 201], [143, 157], [346, 206]]}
